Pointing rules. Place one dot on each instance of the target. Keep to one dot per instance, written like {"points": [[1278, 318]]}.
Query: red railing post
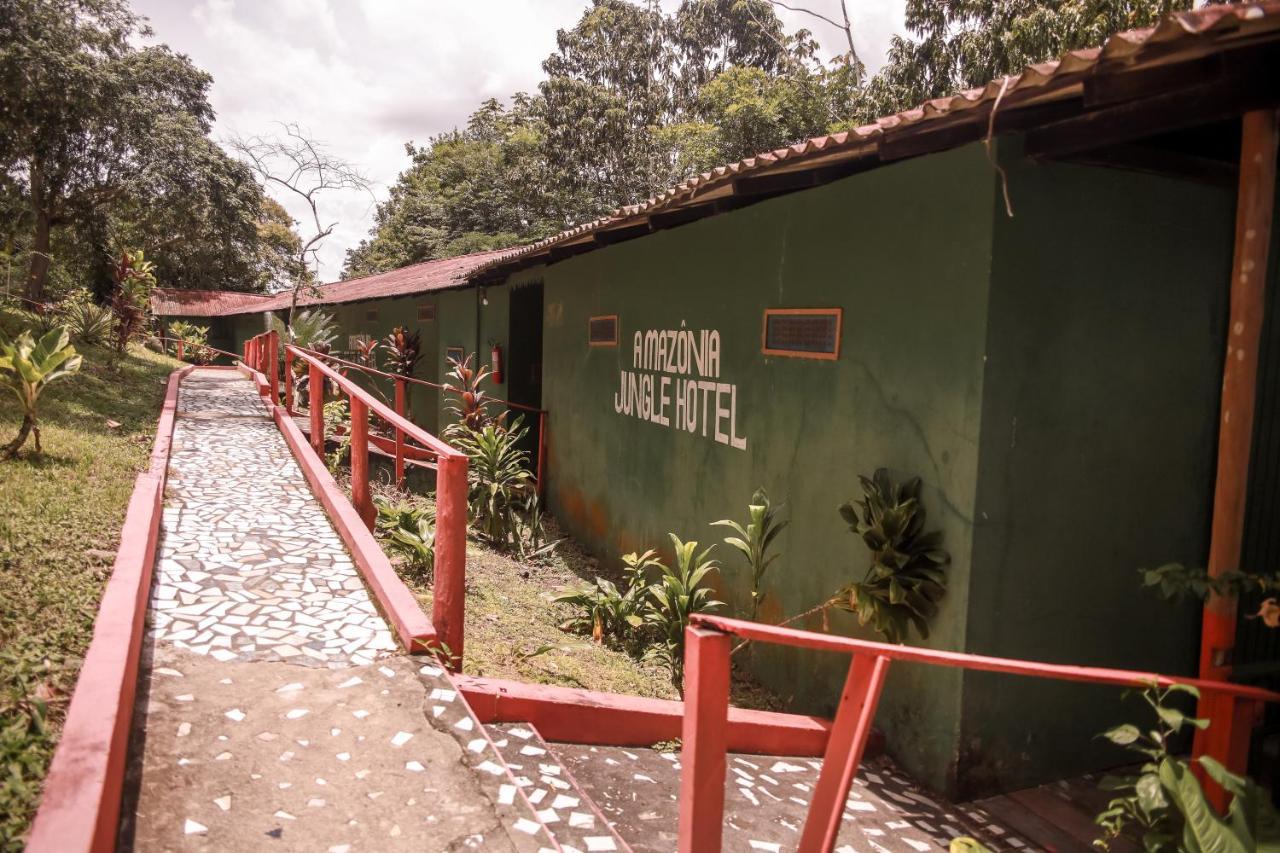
{"points": [[315, 396], [361, 496], [448, 606], [179, 350], [840, 762], [542, 452], [1232, 720], [705, 739], [273, 365], [400, 393], [263, 340], [288, 381]]}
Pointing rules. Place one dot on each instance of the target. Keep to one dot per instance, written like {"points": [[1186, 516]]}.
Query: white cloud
{"points": [[366, 76]]}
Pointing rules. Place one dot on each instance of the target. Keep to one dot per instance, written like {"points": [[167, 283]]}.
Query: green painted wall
{"points": [[354, 319], [1103, 375], [905, 251]]}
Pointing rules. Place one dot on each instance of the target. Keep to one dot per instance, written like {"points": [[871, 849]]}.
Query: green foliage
{"points": [[106, 138], [498, 479], [194, 339], [87, 321], [410, 532], [1175, 582], [337, 428], [604, 610], [679, 593], [27, 366], [754, 540], [312, 329], [1164, 802], [905, 579]]}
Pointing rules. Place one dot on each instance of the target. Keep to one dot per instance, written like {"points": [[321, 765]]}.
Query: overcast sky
{"points": [[366, 76]]}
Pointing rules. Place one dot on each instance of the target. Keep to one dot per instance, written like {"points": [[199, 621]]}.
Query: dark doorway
{"points": [[524, 359]]}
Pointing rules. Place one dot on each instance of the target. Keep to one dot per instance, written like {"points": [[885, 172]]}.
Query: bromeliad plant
{"points": [[1164, 803], [905, 580], [27, 366], [754, 541], [680, 592], [410, 532], [85, 319]]}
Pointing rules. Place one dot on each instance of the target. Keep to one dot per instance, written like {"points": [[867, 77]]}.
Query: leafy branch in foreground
{"points": [[1164, 802], [1175, 582], [905, 580], [410, 532]]}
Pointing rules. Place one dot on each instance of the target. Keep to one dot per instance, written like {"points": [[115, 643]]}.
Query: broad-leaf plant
{"points": [[27, 366]]}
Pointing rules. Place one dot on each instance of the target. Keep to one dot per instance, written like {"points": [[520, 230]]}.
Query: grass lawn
{"points": [[60, 520]]}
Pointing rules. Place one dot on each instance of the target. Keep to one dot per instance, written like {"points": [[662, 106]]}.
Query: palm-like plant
{"points": [[605, 610], [905, 580], [410, 532], [86, 320], [27, 366], [134, 278], [498, 477], [312, 329], [677, 595], [754, 541], [468, 402]]}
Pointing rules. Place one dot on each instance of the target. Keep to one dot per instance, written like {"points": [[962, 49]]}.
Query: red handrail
{"points": [[540, 459], [449, 587], [703, 756]]}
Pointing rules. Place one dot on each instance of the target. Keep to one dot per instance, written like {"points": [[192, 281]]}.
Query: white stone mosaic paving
{"points": [[250, 567]]}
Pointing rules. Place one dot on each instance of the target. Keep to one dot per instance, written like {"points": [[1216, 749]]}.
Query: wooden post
{"points": [[400, 394], [288, 381], [273, 365], [180, 350], [315, 394], [1255, 202], [849, 733], [542, 453], [704, 740], [448, 605], [361, 496]]}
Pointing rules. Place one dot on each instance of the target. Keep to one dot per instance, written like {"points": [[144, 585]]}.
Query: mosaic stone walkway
{"points": [[274, 710]]}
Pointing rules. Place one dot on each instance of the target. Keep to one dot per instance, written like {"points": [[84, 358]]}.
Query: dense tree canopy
{"points": [[636, 99], [104, 145]]}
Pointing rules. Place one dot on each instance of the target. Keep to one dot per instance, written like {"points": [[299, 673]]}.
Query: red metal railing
{"points": [[449, 588], [703, 756], [400, 394]]}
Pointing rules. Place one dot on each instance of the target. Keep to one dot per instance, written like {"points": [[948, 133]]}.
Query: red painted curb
{"points": [[571, 715], [396, 600], [80, 808]]}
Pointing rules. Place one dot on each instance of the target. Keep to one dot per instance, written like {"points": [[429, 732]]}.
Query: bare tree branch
{"points": [[852, 58], [302, 166]]}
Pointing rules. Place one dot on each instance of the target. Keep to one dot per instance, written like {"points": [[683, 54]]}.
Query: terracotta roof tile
{"points": [[172, 302]]}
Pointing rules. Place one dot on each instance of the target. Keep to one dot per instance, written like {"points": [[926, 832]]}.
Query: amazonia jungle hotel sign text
{"points": [[674, 381]]}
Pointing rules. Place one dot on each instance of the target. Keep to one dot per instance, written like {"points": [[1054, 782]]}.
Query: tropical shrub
{"points": [[468, 402], [366, 352], [1164, 803], [195, 340], [27, 366], [754, 541], [905, 579], [312, 329], [86, 320], [531, 535], [409, 531], [337, 428], [605, 611], [679, 593], [498, 479], [404, 351], [134, 278], [1175, 582]]}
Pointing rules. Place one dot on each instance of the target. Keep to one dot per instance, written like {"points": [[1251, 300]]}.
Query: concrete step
{"points": [[767, 800], [448, 711], [573, 819]]}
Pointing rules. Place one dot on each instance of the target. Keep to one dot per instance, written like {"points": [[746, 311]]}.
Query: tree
{"points": [[959, 44], [104, 144], [302, 167]]}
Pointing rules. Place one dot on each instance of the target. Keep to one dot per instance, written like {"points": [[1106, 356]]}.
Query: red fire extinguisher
{"points": [[495, 362]]}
